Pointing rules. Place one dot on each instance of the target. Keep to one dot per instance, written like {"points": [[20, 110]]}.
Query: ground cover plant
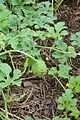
{"points": [[25, 26]]}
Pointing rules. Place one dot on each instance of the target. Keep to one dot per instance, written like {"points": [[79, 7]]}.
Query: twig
{"points": [[28, 97], [12, 115]]}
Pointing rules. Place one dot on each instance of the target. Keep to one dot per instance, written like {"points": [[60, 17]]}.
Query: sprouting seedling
{"points": [[74, 84], [68, 103], [75, 38], [6, 80]]}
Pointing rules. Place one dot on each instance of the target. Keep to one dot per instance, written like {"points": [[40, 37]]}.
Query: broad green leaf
{"points": [[5, 68], [3, 84], [17, 82]]}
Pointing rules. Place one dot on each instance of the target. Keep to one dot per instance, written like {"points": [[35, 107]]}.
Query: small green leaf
{"points": [[29, 118], [3, 84], [16, 73], [52, 71], [64, 70], [72, 51], [5, 68], [75, 113], [75, 38]]}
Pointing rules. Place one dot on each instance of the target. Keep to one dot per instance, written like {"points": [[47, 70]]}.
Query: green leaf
{"points": [[17, 82], [29, 118], [1, 76], [61, 45], [14, 2], [66, 101], [5, 68], [74, 84], [64, 70], [75, 38], [3, 84], [72, 51], [16, 74], [52, 71], [75, 113]]}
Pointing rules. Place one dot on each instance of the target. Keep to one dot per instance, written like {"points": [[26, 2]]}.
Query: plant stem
{"points": [[8, 88], [5, 105], [60, 83], [51, 48], [25, 66], [2, 116], [59, 5], [18, 51], [11, 61], [52, 7]]}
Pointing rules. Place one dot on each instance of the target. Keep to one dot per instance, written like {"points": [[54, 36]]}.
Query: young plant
{"points": [[74, 84], [60, 118], [6, 80], [75, 38], [68, 103]]}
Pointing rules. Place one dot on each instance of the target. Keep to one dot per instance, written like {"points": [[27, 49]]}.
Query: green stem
{"points": [[8, 88], [25, 66], [52, 7], [5, 104], [51, 48], [18, 51], [2, 116], [11, 61], [59, 5], [60, 83]]}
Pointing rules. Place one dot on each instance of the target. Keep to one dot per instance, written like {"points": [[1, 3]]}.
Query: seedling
{"points": [[68, 103], [74, 84], [75, 38]]}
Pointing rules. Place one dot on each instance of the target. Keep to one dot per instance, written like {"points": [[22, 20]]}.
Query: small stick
{"points": [[12, 115]]}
